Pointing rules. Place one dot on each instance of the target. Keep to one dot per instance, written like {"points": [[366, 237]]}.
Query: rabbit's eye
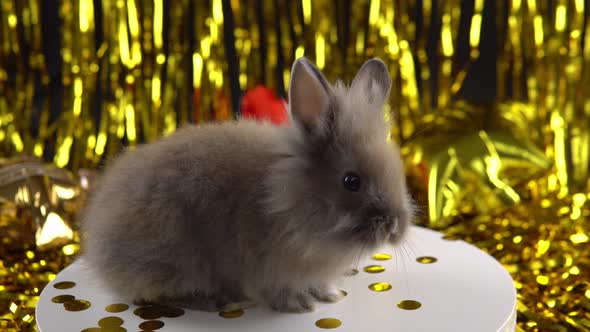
{"points": [[352, 181]]}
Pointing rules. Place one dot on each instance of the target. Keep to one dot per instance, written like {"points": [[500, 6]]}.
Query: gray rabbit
{"points": [[249, 212]]}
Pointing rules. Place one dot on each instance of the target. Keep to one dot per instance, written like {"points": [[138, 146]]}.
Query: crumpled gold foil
{"points": [[481, 172], [38, 202], [460, 166]]}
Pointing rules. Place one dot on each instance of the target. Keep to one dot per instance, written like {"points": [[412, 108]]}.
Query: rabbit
{"points": [[251, 213]]}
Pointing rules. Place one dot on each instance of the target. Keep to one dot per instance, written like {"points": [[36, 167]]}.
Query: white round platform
{"points": [[461, 289]]}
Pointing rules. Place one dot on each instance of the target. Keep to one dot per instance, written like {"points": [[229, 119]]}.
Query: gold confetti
{"points": [[543, 280], [380, 287], [231, 314], [156, 311], [374, 269], [151, 325], [409, 305], [63, 298], [147, 313], [76, 305], [450, 238], [110, 321], [70, 249], [381, 257], [116, 307], [579, 238], [426, 259], [64, 285], [328, 323]]}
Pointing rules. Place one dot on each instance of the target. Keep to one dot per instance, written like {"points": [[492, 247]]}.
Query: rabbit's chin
{"points": [[373, 235], [368, 237]]}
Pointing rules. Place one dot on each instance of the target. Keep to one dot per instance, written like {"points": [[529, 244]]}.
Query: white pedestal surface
{"points": [[464, 289]]}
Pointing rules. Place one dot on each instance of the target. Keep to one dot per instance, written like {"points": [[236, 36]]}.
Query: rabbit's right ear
{"points": [[309, 96]]}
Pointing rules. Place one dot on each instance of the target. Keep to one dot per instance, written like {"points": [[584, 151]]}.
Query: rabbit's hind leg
{"points": [[196, 301]]}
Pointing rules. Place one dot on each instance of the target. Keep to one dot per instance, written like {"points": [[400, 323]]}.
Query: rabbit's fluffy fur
{"points": [[244, 212]]}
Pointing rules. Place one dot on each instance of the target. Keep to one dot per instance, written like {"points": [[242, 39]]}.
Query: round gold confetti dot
{"points": [[110, 321], [64, 285], [116, 307], [63, 298], [343, 292], [380, 287], [328, 323], [157, 311], [113, 329], [77, 305], [231, 314], [151, 325], [381, 257], [147, 313], [409, 305], [426, 259], [374, 269]]}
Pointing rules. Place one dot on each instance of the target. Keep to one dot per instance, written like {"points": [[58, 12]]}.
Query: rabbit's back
{"points": [[169, 214]]}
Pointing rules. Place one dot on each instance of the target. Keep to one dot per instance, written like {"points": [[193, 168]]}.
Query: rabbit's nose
{"points": [[375, 214]]}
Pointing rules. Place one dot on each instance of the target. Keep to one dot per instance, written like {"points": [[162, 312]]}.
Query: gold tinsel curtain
{"points": [[505, 168], [86, 79]]}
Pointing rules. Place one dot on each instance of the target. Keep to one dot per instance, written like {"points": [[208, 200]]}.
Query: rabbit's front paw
{"points": [[291, 301], [327, 293], [351, 272]]}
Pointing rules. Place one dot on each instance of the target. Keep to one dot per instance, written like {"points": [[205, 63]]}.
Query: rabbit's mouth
{"points": [[397, 232], [374, 228]]}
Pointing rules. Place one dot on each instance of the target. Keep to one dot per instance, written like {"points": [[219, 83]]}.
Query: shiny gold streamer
{"points": [[511, 177]]}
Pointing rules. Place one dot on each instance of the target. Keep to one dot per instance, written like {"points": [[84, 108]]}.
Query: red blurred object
{"points": [[263, 104]]}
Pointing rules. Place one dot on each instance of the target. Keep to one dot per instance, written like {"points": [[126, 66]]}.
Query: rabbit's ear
{"points": [[309, 94], [373, 80]]}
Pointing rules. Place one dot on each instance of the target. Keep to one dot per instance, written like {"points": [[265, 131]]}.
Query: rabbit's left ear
{"points": [[309, 95], [373, 79]]}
